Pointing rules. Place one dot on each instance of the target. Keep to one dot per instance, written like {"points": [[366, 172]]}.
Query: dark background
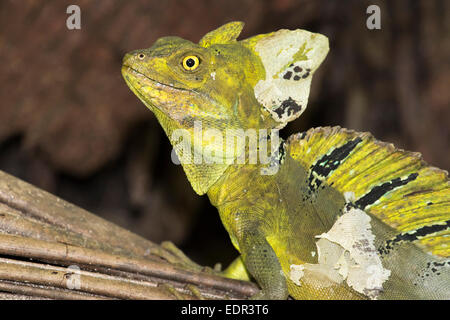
{"points": [[70, 125]]}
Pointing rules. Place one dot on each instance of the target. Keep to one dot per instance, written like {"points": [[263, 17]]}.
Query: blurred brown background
{"points": [[70, 125]]}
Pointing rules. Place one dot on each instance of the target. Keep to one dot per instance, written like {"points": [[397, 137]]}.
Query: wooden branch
{"points": [[51, 249]]}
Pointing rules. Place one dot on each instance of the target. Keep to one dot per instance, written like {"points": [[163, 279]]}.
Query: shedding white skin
{"points": [[295, 53], [296, 273], [349, 196], [361, 267], [347, 253]]}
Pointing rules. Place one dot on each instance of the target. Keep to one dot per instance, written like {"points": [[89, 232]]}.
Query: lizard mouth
{"points": [[142, 79], [140, 76]]}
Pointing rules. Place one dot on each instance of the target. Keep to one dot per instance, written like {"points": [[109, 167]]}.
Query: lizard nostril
{"points": [[126, 58]]}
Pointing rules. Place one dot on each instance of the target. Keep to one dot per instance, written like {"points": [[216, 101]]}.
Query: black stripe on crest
{"points": [[414, 235], [378, 191], [329, 162], [422, 232]]}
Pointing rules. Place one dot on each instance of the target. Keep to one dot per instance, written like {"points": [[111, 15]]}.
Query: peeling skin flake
{"points": [[296, 273], [347, 253], [358, 262], [349, 196]]}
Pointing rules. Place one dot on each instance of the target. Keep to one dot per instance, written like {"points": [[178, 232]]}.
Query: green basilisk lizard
{"points": [[333, 213]]}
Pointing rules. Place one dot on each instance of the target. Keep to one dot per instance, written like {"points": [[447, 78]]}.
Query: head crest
{"points": [[289, 58], [224, 34]]}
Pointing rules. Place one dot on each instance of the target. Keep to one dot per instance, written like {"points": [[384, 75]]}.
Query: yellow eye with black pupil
{"points": [[191, 63]]}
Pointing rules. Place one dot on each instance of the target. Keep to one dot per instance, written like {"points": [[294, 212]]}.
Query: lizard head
{"points": [[222, 84], [211, 82]]}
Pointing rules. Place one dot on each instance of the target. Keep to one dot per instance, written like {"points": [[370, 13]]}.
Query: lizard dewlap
{"points": [[327, 214]]}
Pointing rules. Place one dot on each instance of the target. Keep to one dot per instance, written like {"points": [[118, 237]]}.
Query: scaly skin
{"points": [[336, 214]]}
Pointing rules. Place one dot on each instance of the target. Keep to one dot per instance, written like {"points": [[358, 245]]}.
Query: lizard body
{"points": [[333, 213]]}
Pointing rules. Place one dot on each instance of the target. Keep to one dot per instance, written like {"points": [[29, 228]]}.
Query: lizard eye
{"points": [[141, 56], [190, 63]]}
